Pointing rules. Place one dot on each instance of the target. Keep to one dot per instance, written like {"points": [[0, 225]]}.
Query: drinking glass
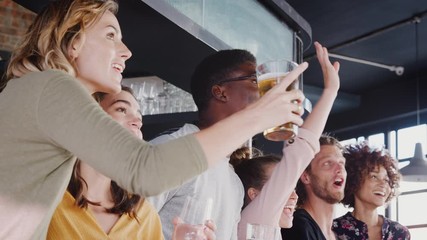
{"points": [[269, 74], [194, 215], [262, 232]]}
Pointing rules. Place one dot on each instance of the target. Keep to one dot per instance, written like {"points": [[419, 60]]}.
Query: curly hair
{"points": [[360, 161], [324, 140]]}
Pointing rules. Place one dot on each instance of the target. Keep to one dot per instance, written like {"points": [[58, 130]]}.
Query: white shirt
{"points": [[219, 183]]}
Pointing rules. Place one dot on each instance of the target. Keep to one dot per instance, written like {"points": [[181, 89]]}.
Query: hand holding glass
{"points": [[194, 215], [262, 232], [269, 74]]}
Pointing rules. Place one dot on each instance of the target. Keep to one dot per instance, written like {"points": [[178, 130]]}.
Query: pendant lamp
{"points": [[416, 171]]}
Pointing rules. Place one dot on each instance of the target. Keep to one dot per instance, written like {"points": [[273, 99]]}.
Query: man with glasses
{"points": [[222, 84]]}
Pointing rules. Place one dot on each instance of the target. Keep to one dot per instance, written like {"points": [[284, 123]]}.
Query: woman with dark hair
{"points": [[254, 173], [372, 182], [94, 206]]}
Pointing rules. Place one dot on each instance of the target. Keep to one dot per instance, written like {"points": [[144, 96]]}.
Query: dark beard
{"points": [[323, 193]]}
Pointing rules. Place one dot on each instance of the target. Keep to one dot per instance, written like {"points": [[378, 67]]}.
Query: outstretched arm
{"points": [[268, 205]]}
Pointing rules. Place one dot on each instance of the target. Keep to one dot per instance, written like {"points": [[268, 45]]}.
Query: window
{"points": [[406, 139], [392, 146], [377, 141], [242, 24], [352, 141], [408, 207], [348, 141]]}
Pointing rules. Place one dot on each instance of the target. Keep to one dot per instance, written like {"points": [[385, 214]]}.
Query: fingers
{"points": [[290, 77], [209, 234], [298, 108], [176, 221], [322, 54], [296, 96], [278, 106], [323, 57], [296, 119], [209, 230], [319, 51], [330, 71], [337, 66], [295, 109], [210, 224], [206, 232]]}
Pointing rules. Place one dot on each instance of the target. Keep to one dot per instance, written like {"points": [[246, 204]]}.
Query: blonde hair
{"points": [[46, 43]]}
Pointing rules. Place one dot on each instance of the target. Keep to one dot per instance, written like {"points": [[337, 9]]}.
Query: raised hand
{"points": [[330, 71], [316, 120]]}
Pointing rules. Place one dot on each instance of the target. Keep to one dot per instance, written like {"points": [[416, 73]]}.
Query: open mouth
{"points": [[339, 182], [289, 209], [379, 193]]}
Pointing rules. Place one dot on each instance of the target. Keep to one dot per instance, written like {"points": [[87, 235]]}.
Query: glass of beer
{"points": [[262, 232], [194, 215], [269, 74]]}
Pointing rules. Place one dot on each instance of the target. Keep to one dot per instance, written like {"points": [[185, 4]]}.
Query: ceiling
{"points": [[377, 31]]}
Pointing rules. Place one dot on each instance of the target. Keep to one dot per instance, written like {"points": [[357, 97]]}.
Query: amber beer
{"points": [[269, 74]]}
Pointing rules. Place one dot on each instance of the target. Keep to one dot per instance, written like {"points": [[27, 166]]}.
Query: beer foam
{"points": [[271, 75]]}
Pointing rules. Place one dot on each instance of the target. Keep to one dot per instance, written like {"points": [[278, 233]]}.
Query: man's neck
{"points": [[202, 124], [323, 213], [209, 118]]}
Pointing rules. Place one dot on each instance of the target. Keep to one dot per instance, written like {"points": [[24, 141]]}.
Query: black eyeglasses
{"points": [[241, 78]]}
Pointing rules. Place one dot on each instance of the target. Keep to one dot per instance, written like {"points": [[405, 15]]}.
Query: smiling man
{"points": [[319, 188]]}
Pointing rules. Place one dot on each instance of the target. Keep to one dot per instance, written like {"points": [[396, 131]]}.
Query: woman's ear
{"points": [[75, 47], [252, 193]]}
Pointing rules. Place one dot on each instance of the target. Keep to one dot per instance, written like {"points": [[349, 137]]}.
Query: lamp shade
{"points": [[416, 171]]}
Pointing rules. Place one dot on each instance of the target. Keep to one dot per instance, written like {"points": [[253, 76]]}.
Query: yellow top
{"points": [[71, 222], [51, 118]]}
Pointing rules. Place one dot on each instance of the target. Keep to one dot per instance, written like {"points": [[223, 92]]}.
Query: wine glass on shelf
{"points": [[148, 97]]}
